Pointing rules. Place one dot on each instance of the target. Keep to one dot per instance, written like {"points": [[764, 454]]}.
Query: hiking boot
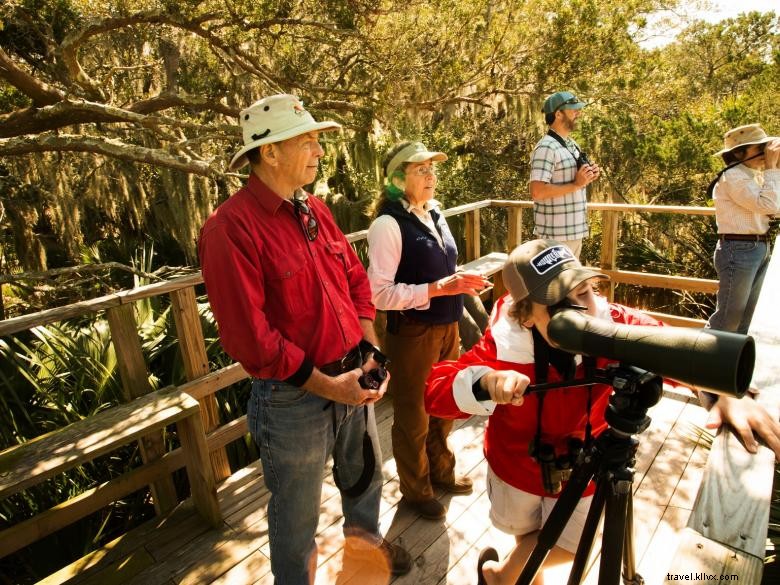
{"points": [[430, 509], [459, 485]]}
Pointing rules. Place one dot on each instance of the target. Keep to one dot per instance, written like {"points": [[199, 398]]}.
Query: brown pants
{"points": [[419, 441]]}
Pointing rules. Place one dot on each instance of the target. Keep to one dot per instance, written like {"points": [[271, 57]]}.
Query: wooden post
{"points": [[515, 228], [609, 242], [196, 364], [196, 455], [135, 382], [472, 235]]}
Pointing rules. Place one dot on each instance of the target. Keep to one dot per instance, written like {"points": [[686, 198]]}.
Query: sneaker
{"points": [[383, 555], [460, 485], [430, 509]]}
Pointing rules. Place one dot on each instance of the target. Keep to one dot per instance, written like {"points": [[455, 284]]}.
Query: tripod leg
{"points": [[585, 545], [630, 576], [556, 522], [612, 542]]}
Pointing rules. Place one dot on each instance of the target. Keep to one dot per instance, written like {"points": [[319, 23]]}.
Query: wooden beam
{"points": [[196, 456], [41, 458], [609, 243], [472, 235], [514, 228], [217, 380], [135, 382], [701, 285], [16, 324], [192, 347]]}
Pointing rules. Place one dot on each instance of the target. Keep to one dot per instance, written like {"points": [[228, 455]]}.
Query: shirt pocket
{"points": [[287, 281], [337, 252]]}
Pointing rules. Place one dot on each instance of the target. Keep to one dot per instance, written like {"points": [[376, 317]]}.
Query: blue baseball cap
{"points": [[562, 100]]}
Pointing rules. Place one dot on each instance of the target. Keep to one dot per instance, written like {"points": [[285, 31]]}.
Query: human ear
{"points": [[269, 155]]}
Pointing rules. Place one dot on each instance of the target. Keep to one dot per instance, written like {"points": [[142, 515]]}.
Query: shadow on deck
{"points": [[181, 548]]}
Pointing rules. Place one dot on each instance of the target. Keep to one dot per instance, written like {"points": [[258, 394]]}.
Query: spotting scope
{"points": [[705, 359]]}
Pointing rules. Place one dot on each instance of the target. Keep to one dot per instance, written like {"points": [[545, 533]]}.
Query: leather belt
{"points": [[745, 237], [349, 362]]}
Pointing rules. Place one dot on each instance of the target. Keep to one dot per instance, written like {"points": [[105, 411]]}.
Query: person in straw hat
{"points": [[491, 379], [293, 306], [744, 201]]}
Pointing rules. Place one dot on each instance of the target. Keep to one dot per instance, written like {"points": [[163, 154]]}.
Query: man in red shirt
{"points": [[293, 305]]}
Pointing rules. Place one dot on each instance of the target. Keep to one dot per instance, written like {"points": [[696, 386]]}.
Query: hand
{"points": [[745, 416], [344, 388], [467, 282], [505, 386], [372, 364], [772, 154], [586, 174]]}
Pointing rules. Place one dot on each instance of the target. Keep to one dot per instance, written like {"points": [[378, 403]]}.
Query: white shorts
{"points": [[517, 512]]}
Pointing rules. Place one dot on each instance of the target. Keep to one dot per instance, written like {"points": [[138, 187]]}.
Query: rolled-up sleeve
{"points": [[384, 256]]}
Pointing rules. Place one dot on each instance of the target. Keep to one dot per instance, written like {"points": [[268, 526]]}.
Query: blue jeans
{"points": [[741, 268], [297, 432]]}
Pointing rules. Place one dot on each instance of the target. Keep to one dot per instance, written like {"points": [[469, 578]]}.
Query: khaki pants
{"points": [[419, 441]]}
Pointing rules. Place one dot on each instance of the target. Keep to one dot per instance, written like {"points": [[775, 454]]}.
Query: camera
{"points": [[582, 160], [374, 378], [555, 468]]}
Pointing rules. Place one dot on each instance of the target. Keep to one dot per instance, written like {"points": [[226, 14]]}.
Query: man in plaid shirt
{"points": [[560, 173]]}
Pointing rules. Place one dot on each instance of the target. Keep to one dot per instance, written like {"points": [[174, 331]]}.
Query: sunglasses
{"points": [[309, 223], [569, 102]]}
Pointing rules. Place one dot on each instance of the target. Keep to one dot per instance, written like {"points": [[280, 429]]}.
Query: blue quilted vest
{"points": [[423, 260]]}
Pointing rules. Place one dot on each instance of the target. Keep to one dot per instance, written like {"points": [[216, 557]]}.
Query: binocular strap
{"points": [[369, 463]]}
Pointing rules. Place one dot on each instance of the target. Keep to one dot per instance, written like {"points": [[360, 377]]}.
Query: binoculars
{"points": [[555, 468]]}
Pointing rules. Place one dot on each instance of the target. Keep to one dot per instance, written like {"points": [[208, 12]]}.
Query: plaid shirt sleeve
{"points": [[543, 163]]}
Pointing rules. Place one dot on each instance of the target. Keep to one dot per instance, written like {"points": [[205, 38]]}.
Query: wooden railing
{"points": [[203, 385]]}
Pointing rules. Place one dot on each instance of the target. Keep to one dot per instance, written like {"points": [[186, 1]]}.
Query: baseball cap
{"points": [[544, 271], [562, 100]]}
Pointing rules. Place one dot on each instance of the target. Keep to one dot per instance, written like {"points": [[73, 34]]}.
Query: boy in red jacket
{"points": [[515, 352]]}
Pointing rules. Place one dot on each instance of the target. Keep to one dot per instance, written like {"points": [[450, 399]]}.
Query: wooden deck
{"points": [[181, 549]]}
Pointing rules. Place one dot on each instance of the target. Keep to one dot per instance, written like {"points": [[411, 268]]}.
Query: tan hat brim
{"points": [[556, 289], [419, 157], [240, 160], [762, 141]]}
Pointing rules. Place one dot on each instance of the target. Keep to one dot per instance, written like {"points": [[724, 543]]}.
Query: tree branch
{"points": [[105, 147], [39, 92], [69, 113]]}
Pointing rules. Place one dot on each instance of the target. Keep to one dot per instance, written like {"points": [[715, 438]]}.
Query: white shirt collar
{"points": [[419, 209]]}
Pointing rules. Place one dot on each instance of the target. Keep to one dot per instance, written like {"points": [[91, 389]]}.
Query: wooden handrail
{"points": [[24, 322]]}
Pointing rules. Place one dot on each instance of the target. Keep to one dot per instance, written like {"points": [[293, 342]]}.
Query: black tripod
{"points": [[609, 459]]}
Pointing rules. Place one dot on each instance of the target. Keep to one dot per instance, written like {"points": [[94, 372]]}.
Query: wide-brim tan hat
{"points": [[744, 136], [273, 119], [413, 153], [545, 271]]}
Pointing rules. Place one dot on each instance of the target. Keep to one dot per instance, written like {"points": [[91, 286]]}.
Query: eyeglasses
{"points": [[423, 171], [309, 223]]}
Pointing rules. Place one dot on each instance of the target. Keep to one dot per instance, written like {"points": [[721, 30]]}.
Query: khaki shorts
{"points": [[517, 512]]}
